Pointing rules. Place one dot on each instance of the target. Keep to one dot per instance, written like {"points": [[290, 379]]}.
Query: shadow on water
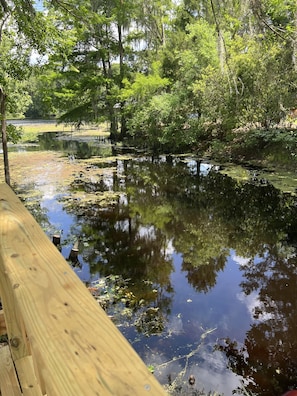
{"points": [[197, 269]]}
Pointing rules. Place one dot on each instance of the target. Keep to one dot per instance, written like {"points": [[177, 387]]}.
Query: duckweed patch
{"points": [[80, 201], [78, 181], [285, 181], [114, 296]]}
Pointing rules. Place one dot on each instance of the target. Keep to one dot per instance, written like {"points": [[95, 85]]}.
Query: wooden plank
{"points": [[9, 385], [75, 348], [13, 319], [3, 329], [27, 377]]}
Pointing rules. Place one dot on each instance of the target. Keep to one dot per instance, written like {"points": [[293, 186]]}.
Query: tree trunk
{"points": [[3, 134], [122, 117], [295, 42]]}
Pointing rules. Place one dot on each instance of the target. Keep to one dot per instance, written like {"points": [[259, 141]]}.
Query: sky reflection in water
{"points": [[207, 290]]}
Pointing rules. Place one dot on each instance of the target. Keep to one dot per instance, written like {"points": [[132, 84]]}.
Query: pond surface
{"points": [[196, 268]]}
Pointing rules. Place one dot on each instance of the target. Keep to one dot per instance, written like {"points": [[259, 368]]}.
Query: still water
{"points": [[197, 269]]}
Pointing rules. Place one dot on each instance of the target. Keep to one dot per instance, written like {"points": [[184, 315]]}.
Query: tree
{"points": [[181, 76], [108, 49], [86, 68], [21, 28], [14, 61]]}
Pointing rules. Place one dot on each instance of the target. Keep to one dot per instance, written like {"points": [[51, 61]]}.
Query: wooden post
{"points": [[56, 239], [74, 253], [62, 342]]}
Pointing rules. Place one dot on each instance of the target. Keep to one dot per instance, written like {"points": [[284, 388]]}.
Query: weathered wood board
{"points": [[51, 317]]}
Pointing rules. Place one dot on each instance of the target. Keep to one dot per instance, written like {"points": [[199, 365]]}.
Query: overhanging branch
{"points": [[4, 5]]}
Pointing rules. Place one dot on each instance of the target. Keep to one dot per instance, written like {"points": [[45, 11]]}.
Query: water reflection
{"points": [[75, 146], [202, 216], [268, 358], [210, 262]]}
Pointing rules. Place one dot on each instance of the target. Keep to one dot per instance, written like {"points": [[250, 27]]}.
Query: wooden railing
{"points": [[60, 342]]}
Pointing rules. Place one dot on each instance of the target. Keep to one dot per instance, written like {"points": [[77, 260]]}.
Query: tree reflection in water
{"points": [[170, 204], [268, 360]]}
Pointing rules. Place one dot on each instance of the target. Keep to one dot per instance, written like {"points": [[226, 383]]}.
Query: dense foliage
{"points": [[171, 76]]}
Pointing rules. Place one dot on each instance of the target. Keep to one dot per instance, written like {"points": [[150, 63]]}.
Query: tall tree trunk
{"points": [[295, 42], [110, 107], [122, 73], [3, 133]]}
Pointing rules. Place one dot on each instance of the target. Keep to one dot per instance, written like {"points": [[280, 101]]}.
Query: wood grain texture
{"points": [[3, 329], [9, 385], [26, 374], [75, 348]]}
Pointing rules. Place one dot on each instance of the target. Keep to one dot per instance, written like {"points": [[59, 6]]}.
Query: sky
{"points": [[38, 5]]}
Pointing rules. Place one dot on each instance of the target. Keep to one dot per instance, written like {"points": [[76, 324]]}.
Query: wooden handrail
{"points": [[61, 341]]}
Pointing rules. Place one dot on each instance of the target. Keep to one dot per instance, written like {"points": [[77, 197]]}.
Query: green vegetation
{"points": [[203, 215], [267, 147], [217, 78], [199, 76]]}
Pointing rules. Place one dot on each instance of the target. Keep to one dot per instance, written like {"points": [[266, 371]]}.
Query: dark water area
{"points": [[208, 265]]}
